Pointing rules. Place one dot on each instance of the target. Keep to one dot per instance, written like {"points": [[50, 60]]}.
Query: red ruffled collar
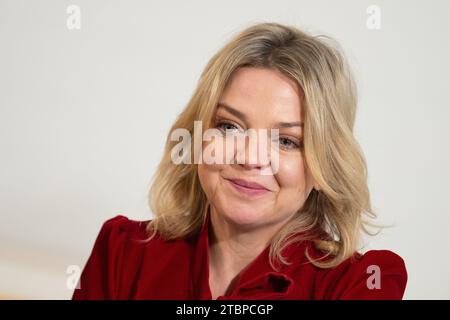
{"points": [[258, 281]]}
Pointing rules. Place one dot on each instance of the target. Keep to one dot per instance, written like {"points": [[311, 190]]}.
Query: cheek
{"points": [[292, 174], [209, 178]]}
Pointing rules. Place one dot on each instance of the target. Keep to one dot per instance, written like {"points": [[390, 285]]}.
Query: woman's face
{"points": [[259, 98]]}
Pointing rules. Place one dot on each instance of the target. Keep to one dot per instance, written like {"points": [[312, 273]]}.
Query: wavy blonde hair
{"points": [[331, 152]]}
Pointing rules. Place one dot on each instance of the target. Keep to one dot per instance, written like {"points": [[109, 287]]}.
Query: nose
{"points": [[255, 154]]}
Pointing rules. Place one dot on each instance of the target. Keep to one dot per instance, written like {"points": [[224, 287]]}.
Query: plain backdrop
{"points": [[84, 114]]}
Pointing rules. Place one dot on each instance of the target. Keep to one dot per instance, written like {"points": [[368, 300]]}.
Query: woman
{"points": [[283, 225]]}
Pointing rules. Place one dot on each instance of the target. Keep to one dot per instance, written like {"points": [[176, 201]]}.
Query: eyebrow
{"points": [[242, 116]]}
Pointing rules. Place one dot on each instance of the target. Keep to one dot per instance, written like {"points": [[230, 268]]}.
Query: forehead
{"points": [[264, 92]]}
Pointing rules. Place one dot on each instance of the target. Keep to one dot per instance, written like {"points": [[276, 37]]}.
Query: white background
{"points": [[84, 115]]}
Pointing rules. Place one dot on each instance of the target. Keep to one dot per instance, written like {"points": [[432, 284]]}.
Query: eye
{"points": [[227, 126], [289, 144]]}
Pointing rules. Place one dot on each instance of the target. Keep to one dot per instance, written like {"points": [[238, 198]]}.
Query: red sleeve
{"points": [[376, 275], [98, 278]]}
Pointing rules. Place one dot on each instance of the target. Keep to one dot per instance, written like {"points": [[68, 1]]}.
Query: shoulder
{"points": [[121, 227], [122, 240], [376, 274], [118, 246]]}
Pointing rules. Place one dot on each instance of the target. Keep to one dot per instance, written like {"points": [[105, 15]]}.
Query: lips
{"points": [[248, 189], [249, 184]]}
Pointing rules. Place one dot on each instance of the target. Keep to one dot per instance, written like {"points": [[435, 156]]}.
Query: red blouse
{"points": [[122, 267]]}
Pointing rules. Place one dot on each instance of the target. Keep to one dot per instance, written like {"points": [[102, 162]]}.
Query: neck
{"points": [[232, 248]]}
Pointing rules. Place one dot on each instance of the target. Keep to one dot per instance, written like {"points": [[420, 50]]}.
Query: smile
{"points": [[249, 192]]}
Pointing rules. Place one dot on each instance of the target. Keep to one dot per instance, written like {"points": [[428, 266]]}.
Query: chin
{"points": [[244, 216]]}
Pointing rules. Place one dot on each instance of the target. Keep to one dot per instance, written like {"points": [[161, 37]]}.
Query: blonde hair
{"points": [[331, 152]]}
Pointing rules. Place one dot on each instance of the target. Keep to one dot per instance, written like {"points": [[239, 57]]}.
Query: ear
{"points": [[316, 187]]}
